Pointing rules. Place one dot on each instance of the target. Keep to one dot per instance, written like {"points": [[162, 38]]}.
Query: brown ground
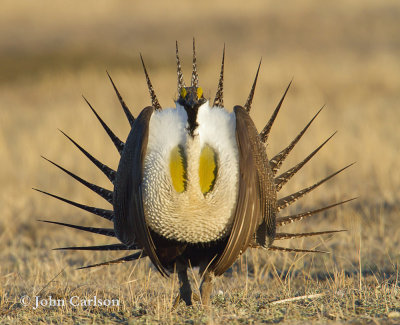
{"points": [[340, 53]]}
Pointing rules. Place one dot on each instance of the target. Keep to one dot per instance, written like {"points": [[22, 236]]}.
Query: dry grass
{"points": [[341, 54]]}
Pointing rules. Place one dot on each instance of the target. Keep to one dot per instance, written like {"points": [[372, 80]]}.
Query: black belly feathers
{"points": [[224, 253]]}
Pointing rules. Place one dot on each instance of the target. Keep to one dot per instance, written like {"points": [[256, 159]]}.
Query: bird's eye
{"points": [[183, 92], [199, 92]]}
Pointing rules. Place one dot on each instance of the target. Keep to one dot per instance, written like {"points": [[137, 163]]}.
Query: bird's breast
{"points": [[190, 184]]}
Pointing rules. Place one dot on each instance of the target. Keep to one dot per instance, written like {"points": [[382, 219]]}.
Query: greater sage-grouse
{"points": [[194, 185]]}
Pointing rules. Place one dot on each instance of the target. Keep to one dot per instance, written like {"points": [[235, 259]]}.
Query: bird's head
{"points": [[191, 98]]}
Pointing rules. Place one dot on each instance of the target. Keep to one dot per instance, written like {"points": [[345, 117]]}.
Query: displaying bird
{"points": [[194, 186]]}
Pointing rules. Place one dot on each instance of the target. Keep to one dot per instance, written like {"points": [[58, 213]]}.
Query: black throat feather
{"points": [[192, 119]]}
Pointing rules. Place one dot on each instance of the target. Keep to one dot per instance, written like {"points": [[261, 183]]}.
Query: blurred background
{"points": [[342, 54]]}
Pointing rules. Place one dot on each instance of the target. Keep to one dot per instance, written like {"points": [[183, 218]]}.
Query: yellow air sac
{"points": [[207, 169], [177, 167]]}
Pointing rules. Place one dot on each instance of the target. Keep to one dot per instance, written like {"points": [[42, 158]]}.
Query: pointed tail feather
{"points": [[104, 193], [284, 235], [100, 231], [195, 76], [219, 96], [112, 247], [106, 214], [181, 82], [281, 221], [126, 109], [117, 142], [277, 161], [128, 258], [266, 130], [287, 200], [294, 250], [110, 173], [154, 100], [249, 101], [286, 176]]}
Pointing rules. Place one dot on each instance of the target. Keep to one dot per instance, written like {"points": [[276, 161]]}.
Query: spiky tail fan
{"points": [[275, 163]]}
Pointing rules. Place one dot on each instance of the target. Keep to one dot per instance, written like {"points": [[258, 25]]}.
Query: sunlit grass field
{"points": [[344, 55]]}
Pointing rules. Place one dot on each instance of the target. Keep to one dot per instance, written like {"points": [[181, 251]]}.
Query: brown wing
{"points": [[129, 221], [251, 202]]}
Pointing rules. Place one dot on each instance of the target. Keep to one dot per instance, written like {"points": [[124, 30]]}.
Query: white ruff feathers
{"points": [[191, 216]]}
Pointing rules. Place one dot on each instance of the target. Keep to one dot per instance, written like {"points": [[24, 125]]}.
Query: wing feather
{"points": [[250, 201], [129, 223]]}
